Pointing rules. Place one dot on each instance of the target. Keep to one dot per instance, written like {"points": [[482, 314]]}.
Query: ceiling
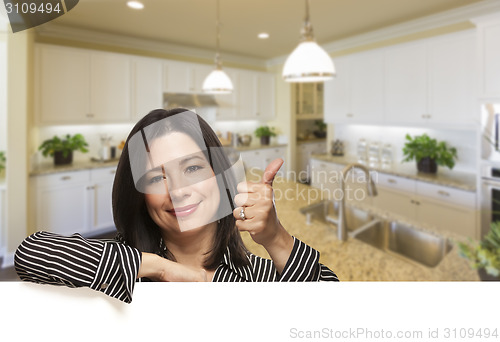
{"points": [[192, 22]]}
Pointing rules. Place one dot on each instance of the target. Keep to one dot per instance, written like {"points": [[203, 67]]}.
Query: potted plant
{"points": [[321, 131], [3, 160], [265, 133], [429, 153], [62, 148], [485, 256]]}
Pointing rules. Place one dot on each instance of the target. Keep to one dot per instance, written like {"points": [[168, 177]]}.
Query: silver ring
{"points": [[242, 214]]}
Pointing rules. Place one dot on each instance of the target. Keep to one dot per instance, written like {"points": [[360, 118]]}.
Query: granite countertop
{"points": [[455, 179], [50, 168], [310, 141], [354, 260]]}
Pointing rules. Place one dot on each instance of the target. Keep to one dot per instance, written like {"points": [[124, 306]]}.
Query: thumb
{"points": [[271, 171]]}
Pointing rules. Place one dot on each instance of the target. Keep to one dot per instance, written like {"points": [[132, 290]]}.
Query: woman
{"points": [[179, 213]]}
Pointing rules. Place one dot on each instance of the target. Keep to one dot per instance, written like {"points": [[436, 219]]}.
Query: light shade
{"points": [[217, 82], [308, 63]]}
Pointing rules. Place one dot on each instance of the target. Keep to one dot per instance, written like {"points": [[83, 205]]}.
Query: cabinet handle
{"points": [[257, 113], [392, 181], [65, 178], [414, 202], [350, 115], [443, 193], [90, 115], [91, 187]]}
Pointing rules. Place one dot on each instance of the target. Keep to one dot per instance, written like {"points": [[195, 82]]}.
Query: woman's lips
{"points": [[184, 211]]}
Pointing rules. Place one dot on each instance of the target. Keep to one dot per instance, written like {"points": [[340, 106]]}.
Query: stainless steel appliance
{"points": [[490, 206]]}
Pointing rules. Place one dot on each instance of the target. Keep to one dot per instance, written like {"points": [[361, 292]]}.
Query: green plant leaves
{"points": [[66, 145], [423, 146]]}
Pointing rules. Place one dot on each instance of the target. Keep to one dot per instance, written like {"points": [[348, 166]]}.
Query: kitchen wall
{"points": [[465, 141]]}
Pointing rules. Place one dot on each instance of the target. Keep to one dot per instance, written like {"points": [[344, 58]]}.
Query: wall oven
{"points": [[490, 206]]}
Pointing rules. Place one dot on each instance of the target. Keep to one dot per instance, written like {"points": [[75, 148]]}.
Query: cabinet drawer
{"points": [[62, 178], [103, 174], [394, 182], [447, 194]]}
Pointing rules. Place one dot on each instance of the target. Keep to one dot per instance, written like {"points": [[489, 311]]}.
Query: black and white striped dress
{"points": [[111, 267]]}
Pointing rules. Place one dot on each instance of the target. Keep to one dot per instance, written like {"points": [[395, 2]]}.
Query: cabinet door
{"points": [[63, 85], [450, 218], [102, 213], [396, 202], [228, 103], [176, 77], [489, 36], [247, 96], [406, 84], [452, 95], [146, 86], [336, 94], [252, 159], [110, 87], [198, 74], [326, 176], [265, 96], [367, 86], [62, 203], [271, 154]]}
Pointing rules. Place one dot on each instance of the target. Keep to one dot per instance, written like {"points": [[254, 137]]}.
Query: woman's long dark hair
{"points": [[131, 216]]}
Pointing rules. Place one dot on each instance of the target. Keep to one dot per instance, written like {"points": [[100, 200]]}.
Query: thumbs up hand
{"points": [[257, 215]]}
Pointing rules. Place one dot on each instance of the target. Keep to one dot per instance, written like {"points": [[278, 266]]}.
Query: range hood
{"points": [[189, 101]]}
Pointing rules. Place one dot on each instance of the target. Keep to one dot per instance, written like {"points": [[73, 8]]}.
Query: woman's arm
{"points": [[157, 268], [106, 266]]}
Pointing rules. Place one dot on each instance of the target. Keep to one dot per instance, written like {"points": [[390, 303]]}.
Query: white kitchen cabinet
{"points": [[255, 92], [77, 86], [147, 91], [183, 77], [488, 36], [227, 108], [102, 211], [356, 95], [406, 83], [327, 177], [62, 202], [451, 69], [62, 79], [265, 83], [110, 87], [260, 158], [336, 93], [3, 223], [304, 152], [73, 202]]}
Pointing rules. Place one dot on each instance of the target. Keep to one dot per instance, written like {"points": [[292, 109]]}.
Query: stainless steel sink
{"points": [[403, 241], [392, 237], [328, 212]]}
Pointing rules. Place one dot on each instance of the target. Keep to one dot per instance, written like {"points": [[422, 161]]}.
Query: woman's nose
{"points": [[178, 190]]}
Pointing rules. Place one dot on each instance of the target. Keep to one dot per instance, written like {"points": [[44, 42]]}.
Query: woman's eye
{"points": [[155, 179], [193, 168]]}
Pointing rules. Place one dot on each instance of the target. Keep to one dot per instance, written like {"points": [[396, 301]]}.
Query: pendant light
{"points": [[308, 62], [217, 82]]}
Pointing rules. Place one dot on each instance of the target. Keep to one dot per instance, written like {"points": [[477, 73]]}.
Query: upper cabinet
{"points": [[427, 82], [356, 93], [183, 77], [81, 86], [146, 86], [308, 100], [488, 35]]}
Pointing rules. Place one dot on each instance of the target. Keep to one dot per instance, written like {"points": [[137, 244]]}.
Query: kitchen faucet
{"points": [[372, 191]]}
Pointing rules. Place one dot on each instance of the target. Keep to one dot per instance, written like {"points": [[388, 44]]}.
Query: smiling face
{"points": [[181, 188]]}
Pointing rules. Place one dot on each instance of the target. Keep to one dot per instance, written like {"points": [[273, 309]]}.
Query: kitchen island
{"points": [[352, 260]]}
